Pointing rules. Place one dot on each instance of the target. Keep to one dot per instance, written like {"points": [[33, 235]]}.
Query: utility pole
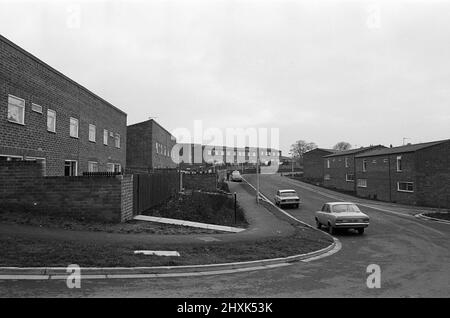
{"points": [[257, 179]]}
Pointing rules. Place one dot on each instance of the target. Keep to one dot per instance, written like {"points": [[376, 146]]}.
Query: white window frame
{"points": [[89, 166], [70, 127], [54, 112], [92, 136], [108, 166], [405, 182], [327, 177], [349, 180], [362, 184], [328, 163], [399, 164], [364, 165], [105, 137], [38, 110], [120, 167], [76, 166], [346, 162], [117, 140], [22, 107]]}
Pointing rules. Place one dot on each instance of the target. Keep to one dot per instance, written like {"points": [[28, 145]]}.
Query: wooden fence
{"points": [[152, 189]]}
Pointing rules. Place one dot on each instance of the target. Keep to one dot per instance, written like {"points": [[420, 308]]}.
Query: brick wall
{"points": [[96, 198], [337, 173], [433, 176], [313, 168], [141, 147], [26, 77], [127, 198]]}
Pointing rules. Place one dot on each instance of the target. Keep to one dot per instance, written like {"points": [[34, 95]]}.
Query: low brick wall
{"points": [[204, 182], [90, 198]]}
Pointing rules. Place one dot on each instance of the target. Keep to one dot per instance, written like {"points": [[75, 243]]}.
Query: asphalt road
{"points": [[413, 255]]}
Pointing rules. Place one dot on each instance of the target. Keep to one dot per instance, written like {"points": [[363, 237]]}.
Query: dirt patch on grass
{"points": [[16, 250], [130, 227], [439, 215], [202, 207]]}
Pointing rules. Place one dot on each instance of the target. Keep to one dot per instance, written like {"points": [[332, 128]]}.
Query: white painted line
{"points": [[22, 277], [188, 223], [158, 253]]}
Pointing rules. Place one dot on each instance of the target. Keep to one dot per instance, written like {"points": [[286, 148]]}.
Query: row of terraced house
{"points": [[47, 117], [414, 174]]}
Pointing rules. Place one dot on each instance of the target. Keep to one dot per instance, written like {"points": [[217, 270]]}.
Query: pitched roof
{"points": [[323, 149], [353, 151], [401, 149]]}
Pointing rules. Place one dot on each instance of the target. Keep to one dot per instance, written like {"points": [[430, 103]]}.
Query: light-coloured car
{"points": [[337, 215], [236, 176], [287, 197]]}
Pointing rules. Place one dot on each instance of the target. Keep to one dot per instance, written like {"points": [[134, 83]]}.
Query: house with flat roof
{"points": [[149, 147], [416, 174], [47, 117]]}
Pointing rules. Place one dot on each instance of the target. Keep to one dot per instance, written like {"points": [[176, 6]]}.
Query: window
{"points": [[346, 162], [405, 186], [51, 120], [113, 167], [327, 177], [36, 108], [364, 165], [92, 166], [73, 127], [110, 167], [399, 164], [105, 137], [117, 141], [362, 183], [10, 158], [16, 110], [350, 177], [328, 163], [92, 132], [70, 168]]}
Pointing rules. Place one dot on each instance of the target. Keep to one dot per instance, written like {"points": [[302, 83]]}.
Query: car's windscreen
{"points": [[339, 208], [288, 194]]}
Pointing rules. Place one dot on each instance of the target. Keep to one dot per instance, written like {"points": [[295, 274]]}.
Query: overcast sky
{"points": [[366, 72]]}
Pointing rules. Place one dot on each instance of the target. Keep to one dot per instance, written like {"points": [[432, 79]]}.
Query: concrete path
{"points": [[263, 224]]}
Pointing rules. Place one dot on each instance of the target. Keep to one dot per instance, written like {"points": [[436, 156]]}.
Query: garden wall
{"points": [[90, 198]]}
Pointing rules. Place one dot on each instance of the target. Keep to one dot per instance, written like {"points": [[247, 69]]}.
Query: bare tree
{"points": [[343, 145], [300, 147]]}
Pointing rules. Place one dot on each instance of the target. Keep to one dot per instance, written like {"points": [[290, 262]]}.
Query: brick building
{"points": [[413, 174], [339, 169], [149, 146], [313, 167], [47, 117], [222, 155]]}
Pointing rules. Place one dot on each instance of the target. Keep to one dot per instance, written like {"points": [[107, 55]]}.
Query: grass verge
{"points": [[17, 250], [130, 227]]}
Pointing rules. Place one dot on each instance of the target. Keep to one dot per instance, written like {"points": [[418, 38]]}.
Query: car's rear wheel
{"points": [[360, 230]]}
